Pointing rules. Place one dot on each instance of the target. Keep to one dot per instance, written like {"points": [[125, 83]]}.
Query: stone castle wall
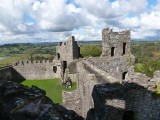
{"points": [[112, 68], [118, 92], [37, 70], [81, 100]]}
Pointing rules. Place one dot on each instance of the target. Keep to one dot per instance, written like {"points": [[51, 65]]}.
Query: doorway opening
{"points": [[64, 63]]}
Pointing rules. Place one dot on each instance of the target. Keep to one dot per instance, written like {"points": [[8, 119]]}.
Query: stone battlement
{"points": [[22, 63], [70, 40], [111, 31]]}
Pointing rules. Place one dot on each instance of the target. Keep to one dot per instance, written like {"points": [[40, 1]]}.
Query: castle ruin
{"points": [[108, 88]]}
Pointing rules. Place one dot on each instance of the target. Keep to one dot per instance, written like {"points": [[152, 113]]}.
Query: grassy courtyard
{"points": [[52, 87]]}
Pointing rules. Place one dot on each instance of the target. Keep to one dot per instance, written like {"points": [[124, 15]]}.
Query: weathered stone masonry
{"points": [[115, 43], [118, 92], [68, 51], [107, 86]]}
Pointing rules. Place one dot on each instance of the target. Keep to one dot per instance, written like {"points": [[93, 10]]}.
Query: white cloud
{"points": [[55, 20], [146, 26], [58, 16], [130, 22], [106, 9], [87, 33], [151, 20], [11, 15]]}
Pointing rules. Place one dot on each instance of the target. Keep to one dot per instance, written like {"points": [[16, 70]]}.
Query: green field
{"points": [[13, 58], [52, 87], [19, 57]]}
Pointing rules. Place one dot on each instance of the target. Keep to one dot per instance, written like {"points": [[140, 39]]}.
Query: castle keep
{"points": [[108, 88]]}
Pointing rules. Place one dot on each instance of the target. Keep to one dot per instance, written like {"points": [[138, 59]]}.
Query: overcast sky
{"points": [[55, 20]]}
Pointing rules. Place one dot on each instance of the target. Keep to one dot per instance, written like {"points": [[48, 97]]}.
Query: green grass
{"points": [[52, 87]]}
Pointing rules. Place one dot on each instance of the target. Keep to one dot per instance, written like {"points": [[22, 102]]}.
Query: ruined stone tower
{"points": [[68, 51], [115, 43]]}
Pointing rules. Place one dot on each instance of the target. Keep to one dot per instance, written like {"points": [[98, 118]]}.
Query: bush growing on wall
{"points": [[91, 50]]}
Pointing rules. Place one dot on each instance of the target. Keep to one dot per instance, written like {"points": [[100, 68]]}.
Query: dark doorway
{"points": [[58, 56], [64, 64], [124, 48], [112, 51], [128, 115], [54, 69], [124, 75]]}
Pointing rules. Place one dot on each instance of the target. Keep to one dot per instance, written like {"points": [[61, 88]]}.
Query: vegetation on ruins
{"points": [[52, 87]]}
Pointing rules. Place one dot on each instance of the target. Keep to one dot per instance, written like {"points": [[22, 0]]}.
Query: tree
{"points": [[91, 50], [31, 52]]}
